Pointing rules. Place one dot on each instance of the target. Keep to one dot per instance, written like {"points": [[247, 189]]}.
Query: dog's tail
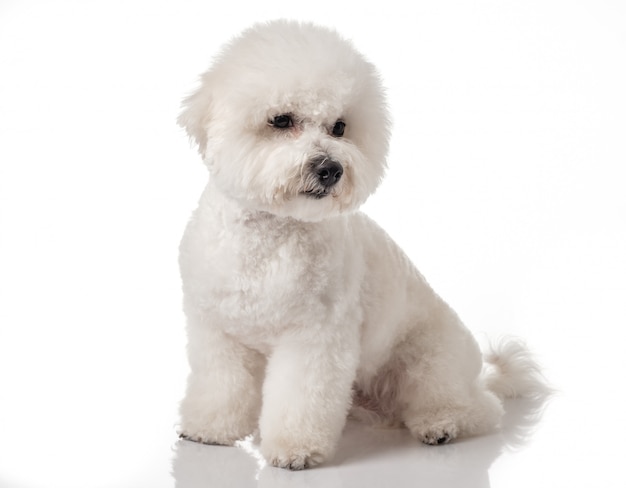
{"points": [[511, 371]]}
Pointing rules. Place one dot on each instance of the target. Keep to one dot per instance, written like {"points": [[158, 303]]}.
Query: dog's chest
{"points": [[268, 275]]}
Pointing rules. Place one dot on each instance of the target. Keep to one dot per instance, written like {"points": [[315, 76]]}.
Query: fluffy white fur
{"points": [[299, 307]]}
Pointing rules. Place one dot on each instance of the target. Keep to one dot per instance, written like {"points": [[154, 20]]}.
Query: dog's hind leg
{"points": [[444, 396]]}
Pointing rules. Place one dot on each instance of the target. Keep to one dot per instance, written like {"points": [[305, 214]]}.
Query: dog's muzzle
{"points": [[325, 173]]}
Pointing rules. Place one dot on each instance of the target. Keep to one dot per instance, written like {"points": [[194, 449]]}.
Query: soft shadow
{"points": [[366, 456]]}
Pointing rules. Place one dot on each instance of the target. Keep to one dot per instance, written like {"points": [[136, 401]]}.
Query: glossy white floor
{"points": [[506, 187]]}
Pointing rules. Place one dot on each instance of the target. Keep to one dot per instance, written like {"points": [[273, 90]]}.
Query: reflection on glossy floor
{"points": [[366, 457], [540, 445]]}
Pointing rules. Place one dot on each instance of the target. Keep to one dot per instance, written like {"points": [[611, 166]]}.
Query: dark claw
{"points": [[443, 440], [437, 441]]}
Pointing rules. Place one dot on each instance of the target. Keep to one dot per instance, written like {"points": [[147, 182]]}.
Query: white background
{"points": [[506, 187]]}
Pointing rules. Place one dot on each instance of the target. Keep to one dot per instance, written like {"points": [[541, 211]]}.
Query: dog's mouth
{"points": [[317, 194]]}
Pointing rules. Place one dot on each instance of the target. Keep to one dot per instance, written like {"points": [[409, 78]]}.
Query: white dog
{"points": [[299, 307]]}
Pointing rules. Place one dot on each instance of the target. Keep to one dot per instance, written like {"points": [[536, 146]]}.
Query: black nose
{"points": [[328, 172]]}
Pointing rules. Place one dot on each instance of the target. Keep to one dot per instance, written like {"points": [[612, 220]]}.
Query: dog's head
{"points": [[292, 120]]}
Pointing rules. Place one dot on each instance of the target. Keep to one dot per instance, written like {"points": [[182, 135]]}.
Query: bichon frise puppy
{"points": [[300, 309]]}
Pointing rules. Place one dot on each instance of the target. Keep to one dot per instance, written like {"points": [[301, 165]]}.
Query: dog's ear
{"points": [[195, 115]]}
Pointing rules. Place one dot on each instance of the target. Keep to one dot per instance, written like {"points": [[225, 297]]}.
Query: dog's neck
{"points": [[231, 211]]}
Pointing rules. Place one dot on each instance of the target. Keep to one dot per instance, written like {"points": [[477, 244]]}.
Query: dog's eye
{"points": [[338, 128], [283, 121]]}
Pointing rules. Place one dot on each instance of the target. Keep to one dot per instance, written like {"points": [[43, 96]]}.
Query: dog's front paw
{"points": [[294, 458], [209, 439], [218, 432]]}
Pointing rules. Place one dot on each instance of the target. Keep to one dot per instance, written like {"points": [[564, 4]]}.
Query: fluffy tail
{"points": [[510, 371]]}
